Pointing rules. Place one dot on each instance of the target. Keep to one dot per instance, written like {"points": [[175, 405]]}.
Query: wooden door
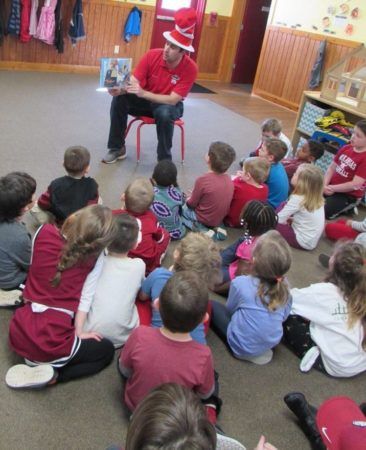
{"points": [[250, 42], [164, 20]]}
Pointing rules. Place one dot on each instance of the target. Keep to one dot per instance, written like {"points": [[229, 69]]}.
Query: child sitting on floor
{"points": [[251, 320], [168, 199], [301, 219], [111, 311], [45, 331], [210, 200], [326, 328], [195, 252], [74, 191], [137, 199], [273, 150], [248, 185], [256, 218], [309, 152], [272, 128], [16, 197], [152, 356]]}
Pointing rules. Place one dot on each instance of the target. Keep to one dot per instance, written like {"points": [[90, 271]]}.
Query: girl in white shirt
{"points": [[327, 324], [301, 220]]}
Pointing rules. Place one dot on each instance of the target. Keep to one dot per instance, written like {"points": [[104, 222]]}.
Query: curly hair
{"points": [[199, 253], [87, 233]]}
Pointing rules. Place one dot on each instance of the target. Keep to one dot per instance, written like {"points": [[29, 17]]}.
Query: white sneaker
{"points": [[309, 359], [10, 298], [22, 376], [228, 443]]}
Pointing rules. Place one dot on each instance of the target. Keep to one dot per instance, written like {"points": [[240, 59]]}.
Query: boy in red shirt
{"points": [[248, 185], [137, 199], [153, 356], [212, 193]]}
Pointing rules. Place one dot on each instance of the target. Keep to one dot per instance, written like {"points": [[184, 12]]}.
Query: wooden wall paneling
{"points": [[104, 21], [297, 51]]}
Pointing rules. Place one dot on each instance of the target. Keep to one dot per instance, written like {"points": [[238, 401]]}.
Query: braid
{"points": [[258, 218], [88, 232]]}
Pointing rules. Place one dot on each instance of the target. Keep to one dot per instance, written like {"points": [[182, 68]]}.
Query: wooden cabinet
{"points": [[320, 104]]}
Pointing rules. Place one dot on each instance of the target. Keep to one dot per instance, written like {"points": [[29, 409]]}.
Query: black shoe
{"points": [[363, 408], [306, 413], [324, 260]]}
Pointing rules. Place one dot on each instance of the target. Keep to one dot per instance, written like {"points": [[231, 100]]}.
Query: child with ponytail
{"points": [[326, 328], [46, 331], [251, 320]]}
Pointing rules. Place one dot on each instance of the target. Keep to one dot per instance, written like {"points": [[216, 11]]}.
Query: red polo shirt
{"points": [[154, 75]]}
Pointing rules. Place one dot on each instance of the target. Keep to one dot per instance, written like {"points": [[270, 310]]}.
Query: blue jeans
{"points": [[164, 116], [220, 319]]}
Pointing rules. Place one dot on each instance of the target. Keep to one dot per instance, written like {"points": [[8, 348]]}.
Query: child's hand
{"points": [[91, 335], [349, 223], [328, 190], [263, 445]]}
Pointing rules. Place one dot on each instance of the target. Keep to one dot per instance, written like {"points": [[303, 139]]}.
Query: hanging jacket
{"points": [[59, 37], [25, 13], [46, 23], [133, 24], [2, 23], [76, 29], [316, 71], [33, 18], [14, 18]]}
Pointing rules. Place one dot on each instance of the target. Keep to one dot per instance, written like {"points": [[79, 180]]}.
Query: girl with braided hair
{"points": [[45, 330], [251, 321]]}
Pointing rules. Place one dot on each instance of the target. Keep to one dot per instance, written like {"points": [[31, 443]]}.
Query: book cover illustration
{"points": [[114, 72]]}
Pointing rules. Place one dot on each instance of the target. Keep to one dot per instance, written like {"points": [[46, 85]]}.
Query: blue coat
{"points": [[133, 24]]}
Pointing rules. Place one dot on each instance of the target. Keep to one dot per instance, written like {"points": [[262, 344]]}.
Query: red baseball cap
{"points": [[341, 424]]}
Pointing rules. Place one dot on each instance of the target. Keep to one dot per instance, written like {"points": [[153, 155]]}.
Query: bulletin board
{"points": [[342, 19]]}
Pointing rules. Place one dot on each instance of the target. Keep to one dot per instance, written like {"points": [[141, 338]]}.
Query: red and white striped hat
{"points": [[182, 35]]}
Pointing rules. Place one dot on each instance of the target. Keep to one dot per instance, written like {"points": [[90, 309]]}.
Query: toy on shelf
{"points": [[335, 124], [345, 82]]}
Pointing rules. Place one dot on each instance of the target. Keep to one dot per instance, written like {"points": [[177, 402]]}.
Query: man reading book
{"points": [[157, 88]]}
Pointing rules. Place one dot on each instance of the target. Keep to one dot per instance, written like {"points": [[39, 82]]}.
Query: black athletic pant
{"points": [[92, 357], [296, 336]]}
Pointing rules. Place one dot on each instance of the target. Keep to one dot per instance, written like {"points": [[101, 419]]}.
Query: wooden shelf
{"points": [[315, 98]]}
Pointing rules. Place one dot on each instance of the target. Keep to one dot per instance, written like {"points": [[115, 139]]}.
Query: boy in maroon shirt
{"points": [[153, 356], [154, 241], [212, 193]]}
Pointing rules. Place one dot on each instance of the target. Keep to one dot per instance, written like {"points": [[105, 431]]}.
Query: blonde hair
{"points": [[87, 233], [139, 195], [271, 261], [258, 169], [200, 254], [310, 184], [348, 272]]}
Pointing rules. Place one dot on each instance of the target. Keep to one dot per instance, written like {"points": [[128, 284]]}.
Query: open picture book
{"points": [[114, 72]]}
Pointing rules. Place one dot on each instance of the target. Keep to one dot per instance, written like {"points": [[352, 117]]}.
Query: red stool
{"points": [[150, 121]]}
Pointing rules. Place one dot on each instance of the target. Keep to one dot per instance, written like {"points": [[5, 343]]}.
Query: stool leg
{"points": [[129, 126], [138, 146], [182, 142]]}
